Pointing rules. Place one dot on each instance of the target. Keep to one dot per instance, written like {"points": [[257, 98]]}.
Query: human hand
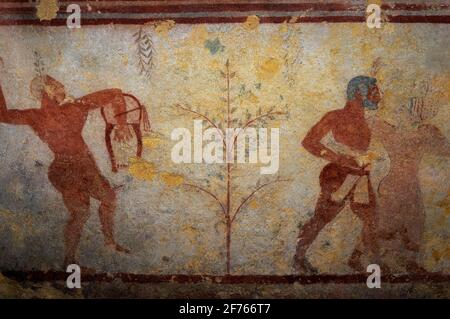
{"points": [[349, 161]]}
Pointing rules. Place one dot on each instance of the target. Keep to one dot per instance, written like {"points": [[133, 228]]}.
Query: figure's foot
{"points": [[385, 270], [83, 269], [68, 261], [87, 270], [118, 248], [355, 263], [415, 268], [302, 265]]}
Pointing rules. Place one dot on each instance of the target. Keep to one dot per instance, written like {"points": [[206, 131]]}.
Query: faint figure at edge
{"points": [[400, 208]]}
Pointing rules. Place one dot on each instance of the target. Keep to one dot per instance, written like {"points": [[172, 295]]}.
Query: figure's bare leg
{"points": [[414, 268], [355, 259], [108, 131], [326, 211], [385, 236], [369, 243], [106, 211], [411, 235], [369, 240], [137, 131], [413, 248], [78, 206]]}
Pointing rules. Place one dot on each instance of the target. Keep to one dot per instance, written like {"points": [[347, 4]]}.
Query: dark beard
{"points": [[370, 104]]}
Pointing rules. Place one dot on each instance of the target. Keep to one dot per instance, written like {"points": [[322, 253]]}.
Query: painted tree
{"points": [[231, 207]]}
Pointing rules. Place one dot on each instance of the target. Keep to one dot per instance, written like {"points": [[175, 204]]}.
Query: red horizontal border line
{"points": [[444, 19], [393, 6], [203, 8], [198, 20], [49, 276], [419, 19], [244, 7], [414, 7]]}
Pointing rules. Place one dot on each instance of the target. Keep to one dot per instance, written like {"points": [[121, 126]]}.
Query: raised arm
{"points": [[20, 117], [312, 143]]}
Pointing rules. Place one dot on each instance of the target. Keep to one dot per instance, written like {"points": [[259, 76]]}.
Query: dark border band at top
{"points": [[23, 12]]}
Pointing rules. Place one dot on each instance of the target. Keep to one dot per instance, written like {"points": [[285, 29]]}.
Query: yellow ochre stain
{"points": [[47, 9], [163, 27], [283, 27], [171, 179], [253, 204], [269, 68], [141, 169], [445, 204], [151, 142], [251, 23], [437, 255], [199, 35], [378, 2]]}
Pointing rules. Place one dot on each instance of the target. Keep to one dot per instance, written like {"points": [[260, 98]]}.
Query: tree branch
{"points": [[210, 194], [204, 117], [251, 121], [253, 193]]}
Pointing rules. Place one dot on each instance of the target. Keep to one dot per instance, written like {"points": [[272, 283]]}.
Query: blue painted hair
{"points": [[360, 84]]}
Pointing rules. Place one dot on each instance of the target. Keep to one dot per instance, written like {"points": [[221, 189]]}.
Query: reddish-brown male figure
{"points": [[350, 128], [73, 171]]}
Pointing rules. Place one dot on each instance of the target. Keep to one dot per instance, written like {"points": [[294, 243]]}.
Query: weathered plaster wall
{"points": [[301, 68]]}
